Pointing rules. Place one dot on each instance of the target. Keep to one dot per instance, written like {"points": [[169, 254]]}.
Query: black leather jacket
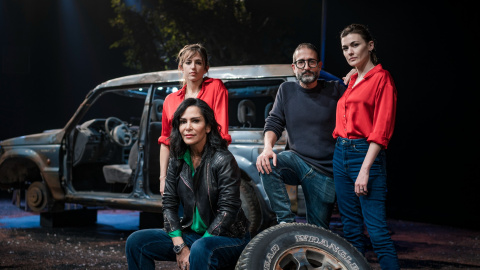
{"points": [[214, 190]]}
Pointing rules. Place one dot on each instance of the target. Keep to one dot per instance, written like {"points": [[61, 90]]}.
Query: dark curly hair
{"points": [[214, 139]]}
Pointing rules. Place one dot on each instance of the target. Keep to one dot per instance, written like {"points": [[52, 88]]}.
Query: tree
{"points": [[234, 32]]}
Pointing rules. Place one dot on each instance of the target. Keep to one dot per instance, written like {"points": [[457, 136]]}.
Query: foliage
{"points": [[234, 32]]}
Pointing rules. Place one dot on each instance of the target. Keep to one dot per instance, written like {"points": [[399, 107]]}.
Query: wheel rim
{"points": [[307, 258], [37, 196]]}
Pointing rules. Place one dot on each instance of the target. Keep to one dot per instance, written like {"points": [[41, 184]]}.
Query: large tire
{"points": [[301, 246], [250, 206]]}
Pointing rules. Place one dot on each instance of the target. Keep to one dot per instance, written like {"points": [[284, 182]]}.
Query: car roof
{"points": [[223, 73]]}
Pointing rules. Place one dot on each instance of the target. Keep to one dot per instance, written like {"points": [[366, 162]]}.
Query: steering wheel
{"points": [[118, 131]]}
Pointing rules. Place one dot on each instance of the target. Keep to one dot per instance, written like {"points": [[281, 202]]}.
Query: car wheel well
{"points": [[18, 172]]}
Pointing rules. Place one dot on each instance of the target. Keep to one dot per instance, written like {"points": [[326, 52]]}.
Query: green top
{"points": [[197, 224]]}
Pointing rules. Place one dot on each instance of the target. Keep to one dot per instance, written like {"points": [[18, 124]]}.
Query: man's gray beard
{"points": [[307, 78]]}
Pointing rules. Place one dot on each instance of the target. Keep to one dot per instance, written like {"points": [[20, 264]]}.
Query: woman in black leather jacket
{"points": [[204, 177]]}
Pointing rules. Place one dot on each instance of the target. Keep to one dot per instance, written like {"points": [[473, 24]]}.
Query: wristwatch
{"points": [[178, 248]]}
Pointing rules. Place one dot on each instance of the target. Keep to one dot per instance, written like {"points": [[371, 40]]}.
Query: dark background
{"points": [[54, 52]]}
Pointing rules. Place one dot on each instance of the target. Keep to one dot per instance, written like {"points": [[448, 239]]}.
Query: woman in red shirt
{"points": [[365, 120], [193, 63]]}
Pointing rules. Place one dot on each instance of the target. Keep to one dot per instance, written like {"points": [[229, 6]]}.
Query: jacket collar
{"points": [[188, 159]]}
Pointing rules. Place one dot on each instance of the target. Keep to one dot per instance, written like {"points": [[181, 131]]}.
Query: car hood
{"points": [[53, 136]]}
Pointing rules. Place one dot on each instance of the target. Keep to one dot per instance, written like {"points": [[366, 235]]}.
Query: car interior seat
{"points": [[246, 112], [121, 173]]}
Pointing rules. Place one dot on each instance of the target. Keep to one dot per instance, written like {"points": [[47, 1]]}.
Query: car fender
{"points": [[48, 173]]}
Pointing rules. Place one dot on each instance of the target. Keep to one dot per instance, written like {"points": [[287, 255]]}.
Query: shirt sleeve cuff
{"points": [[378, 139], [163, 140], [177, 233], [207, 234]]}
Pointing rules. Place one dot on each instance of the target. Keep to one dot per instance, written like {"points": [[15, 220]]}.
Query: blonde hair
{"points": [[189, 51]]}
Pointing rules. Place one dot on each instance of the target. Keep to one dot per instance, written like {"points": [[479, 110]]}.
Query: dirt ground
{"points": [[419, 245]]}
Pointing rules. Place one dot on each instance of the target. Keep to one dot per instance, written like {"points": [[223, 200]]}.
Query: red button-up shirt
{"points": [[213, 92], [367, 110]]}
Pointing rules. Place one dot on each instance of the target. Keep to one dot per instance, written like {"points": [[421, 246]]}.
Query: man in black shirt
{"points": [[306, 109]]}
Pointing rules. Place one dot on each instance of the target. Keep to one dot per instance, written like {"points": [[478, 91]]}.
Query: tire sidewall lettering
{"points": [[275, 248], [334, 249]]}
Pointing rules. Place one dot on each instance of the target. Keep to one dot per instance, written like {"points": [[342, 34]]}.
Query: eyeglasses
{"points": [[312, 63]]}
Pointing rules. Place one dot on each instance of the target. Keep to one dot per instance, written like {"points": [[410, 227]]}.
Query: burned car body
{"points": [[108, 155]]}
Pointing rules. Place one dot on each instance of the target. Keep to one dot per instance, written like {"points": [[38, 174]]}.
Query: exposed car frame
{"points": [[41, 164]]}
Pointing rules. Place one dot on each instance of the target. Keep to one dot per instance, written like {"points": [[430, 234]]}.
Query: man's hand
{"points": [[263, 161], [347, 77], [183, 259]]}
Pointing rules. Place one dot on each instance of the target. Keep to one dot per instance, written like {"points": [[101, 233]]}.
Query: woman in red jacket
{"points": [[365, 120], [193, 63]]}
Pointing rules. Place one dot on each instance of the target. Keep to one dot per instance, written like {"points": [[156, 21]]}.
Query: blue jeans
{"points": [[370, 209], [144, 247], [319, 189]]}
